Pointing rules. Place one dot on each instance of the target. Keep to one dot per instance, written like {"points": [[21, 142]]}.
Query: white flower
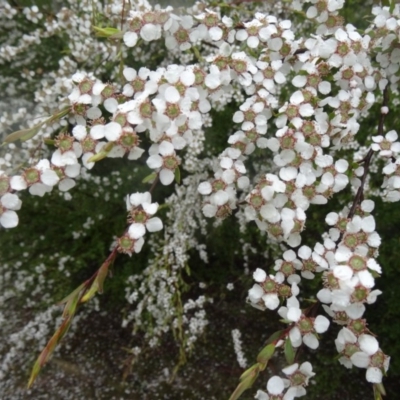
{"points": [[259, 275], [388, 145], [8, 204], [162, 157], [130, 38], [141, 209]]}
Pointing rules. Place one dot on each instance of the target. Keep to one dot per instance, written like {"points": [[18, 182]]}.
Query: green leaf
{"points": [[72, 294], [249, 371], [378, 387], [23, 134], [49, 349], [34, 373], [289, 352], [103, 153], [274, 337], [392, 5], [177, 175], [101, 275], [150, 178], [246, 382], [26, 134], [266, 353], [107, 32], [91, 292], [70, 307]]}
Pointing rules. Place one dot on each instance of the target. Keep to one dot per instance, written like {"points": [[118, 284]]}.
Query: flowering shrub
{"points": [[301, 83]]}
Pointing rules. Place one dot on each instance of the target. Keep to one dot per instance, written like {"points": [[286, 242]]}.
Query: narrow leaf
{"points": [[103, 153], [289, 352], [34, 373], [378, 387], [48, 350], [91, 292], [244, 385], [62, 113], [70, 307], [106, 32], [177, 173], [23, 134], [274, 337], [249, 371], [392, 5], [72, 294], [101, 275], [150, 178], [26, 134], [266, 353]]}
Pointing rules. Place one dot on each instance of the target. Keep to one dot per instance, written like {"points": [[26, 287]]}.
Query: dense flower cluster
{"points": [[333, 78]]}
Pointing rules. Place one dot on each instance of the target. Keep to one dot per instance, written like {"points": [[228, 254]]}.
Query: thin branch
{"points": [[367, 159]]}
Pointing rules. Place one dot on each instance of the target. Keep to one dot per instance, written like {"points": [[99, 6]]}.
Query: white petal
{"points": [[136, 231], [368, 224], [324, 87], [85, 158], [129, 73], [341, 166], [11, 201], [368, 344], [97, 132], [150, 32], [154, 224], [366, 279], [343, 272], [220, 198], [259, 275], [321, 324], [72, 171], [130, 38], [18, 183], [374, 375], [255, 293], [275, 385], [154, 161], [270, 213], [49, 177], [294, 314], [187, 78], [9, 219], [271, 301], [325, 296], [66, 184], [135, 153], [310, 341], [38, 189], [295, 337], [112, 131], [150, 208], [110, 105], [355, 310], [205, 188], [209, 210], [166, 176], [360, 359], [172, 95], [299, 80], [166, 148], [215, 33], [79, 132], [138, 245]]}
